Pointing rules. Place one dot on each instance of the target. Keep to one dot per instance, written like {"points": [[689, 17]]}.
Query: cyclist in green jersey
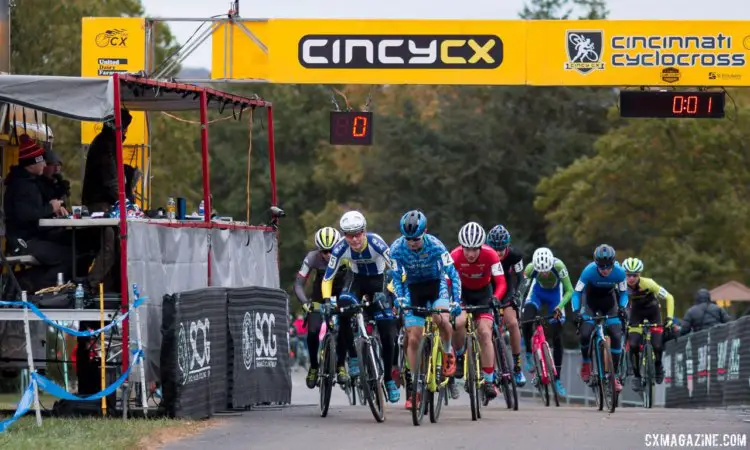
{"points": [[547, 282]]}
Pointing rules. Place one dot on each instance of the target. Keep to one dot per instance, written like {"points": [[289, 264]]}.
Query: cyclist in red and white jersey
{"points": [[479, 266]]}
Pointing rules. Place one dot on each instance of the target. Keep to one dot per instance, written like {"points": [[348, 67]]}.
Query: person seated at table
{"points": [[52, 182], [25, 205]]}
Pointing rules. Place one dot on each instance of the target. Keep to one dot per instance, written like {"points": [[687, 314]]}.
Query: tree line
{"points": [[555, 165]]}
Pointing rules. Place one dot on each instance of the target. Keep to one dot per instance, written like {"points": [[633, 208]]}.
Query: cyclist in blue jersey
{"points": [[425, 261], [368, 255], [601, 290]]}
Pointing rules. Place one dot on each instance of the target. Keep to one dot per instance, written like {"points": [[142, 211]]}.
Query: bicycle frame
{"points": [[538, 340], [471, 330], [431, 329]]}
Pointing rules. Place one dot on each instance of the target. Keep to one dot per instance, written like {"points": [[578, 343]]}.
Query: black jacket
{"points": [[703, 315], [100, 177], [24, 205], [55, 188]]}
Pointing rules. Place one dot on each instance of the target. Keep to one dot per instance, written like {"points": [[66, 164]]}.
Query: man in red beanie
{"points": [[25, 205]]}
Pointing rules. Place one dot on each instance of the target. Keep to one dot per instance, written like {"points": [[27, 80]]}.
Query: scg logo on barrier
{"points": [[258, 340], [193, 360], [400, 51]]}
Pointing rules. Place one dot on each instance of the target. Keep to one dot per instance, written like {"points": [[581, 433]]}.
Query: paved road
{"points": [[532, 426]]}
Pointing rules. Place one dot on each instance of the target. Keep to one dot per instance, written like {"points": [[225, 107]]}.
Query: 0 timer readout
{"points": [[351, 128], [663, 104]]}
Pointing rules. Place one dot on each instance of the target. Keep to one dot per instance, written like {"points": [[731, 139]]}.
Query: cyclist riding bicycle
{"points": [[604, 290], [512, 260], [547, 282], [478, 265], [316, 261], [425, 261], [645, 294], [368, 257]]}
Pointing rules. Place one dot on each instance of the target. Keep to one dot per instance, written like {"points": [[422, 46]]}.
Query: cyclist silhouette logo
{"points": [[585, 50]]}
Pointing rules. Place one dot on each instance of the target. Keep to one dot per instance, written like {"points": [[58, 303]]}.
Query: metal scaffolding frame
{"points": [[232, 18]]}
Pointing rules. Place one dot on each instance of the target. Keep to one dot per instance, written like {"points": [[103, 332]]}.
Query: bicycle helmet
{"points": [[326, 238], [543, 259], [413, 224], [498, 238], [604, 256], [632, 265], [471, 235], [352, 222]]}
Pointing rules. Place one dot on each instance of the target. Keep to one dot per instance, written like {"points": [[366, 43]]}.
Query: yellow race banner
{"points": [[374, 51], [638, 53], [515, 52], [113, 45]]}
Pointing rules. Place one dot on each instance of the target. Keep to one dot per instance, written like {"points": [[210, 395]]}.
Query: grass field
{"points": [[92, 434]]}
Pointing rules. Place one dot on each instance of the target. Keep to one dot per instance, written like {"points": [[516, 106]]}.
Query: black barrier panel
{"points": [[710, 368], [259, 327], [194, 352]]}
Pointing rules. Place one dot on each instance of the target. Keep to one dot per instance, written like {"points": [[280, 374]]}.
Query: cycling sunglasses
{"points": [[413, 239]]}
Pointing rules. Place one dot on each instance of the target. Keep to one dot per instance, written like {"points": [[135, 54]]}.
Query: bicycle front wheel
{"points": [[472, 377], [647, 372], [327, 373], [608, 379], [540, 374], [420, 377], [504, 374], [550, 363], [372, 382]]}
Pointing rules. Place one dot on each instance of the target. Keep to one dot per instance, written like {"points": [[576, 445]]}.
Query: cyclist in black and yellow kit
{"points": [[317, 261], [645, 294]]}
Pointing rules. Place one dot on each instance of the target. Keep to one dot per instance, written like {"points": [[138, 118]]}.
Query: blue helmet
{"points": [[413, 224], [498, 238], [604, 256]]}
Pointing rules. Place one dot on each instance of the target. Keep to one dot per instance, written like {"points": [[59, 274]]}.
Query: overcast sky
{"points": [[420, 9]]}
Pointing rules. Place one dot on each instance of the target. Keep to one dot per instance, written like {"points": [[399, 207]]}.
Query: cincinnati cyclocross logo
{"points": [[585, 50], [400, 51]]}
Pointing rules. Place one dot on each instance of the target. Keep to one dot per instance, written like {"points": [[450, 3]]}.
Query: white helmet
{"points": [[543, 259], [471, 235], [352, 222]]}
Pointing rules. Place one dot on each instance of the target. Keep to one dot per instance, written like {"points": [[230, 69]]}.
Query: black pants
{"points": [[54, 257], [371, 286], [597, 302], [529, 312], [314, 322], [637, 316]]}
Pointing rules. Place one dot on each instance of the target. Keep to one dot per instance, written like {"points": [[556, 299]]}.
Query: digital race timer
{"points": [[672, 104], [351, 128]]}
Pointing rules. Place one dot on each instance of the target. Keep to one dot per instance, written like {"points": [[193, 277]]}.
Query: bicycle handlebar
{"points": [[421, 309], [541, 319]]}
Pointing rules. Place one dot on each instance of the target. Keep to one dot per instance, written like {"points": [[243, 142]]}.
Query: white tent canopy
{"points": [[92, 99]]}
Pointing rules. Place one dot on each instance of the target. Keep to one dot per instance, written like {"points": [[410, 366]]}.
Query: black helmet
{"points": [[604, 256]]}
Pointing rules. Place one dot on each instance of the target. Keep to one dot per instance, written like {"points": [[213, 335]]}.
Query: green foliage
{"points": [[670, 192]]}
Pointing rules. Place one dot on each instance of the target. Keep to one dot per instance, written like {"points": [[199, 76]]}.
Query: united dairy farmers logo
{"points": [[400, 51]]}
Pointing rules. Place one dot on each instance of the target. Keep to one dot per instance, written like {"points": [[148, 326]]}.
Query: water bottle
{"points": [[79, 296], [201, 209], [171, 208]]}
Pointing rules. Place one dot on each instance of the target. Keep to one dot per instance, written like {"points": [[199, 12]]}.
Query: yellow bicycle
{"points": [[472, 367], [427, 377]]}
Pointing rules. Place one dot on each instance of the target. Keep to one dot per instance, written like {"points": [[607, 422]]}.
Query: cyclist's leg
{"points": [[551, 298], [510, 317], [314, 323], [614, 330], [657, 343], [635, 339], [584, 332], [531, 308], [441, 301], [459, 334], [414, 323], [345, 337]]}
